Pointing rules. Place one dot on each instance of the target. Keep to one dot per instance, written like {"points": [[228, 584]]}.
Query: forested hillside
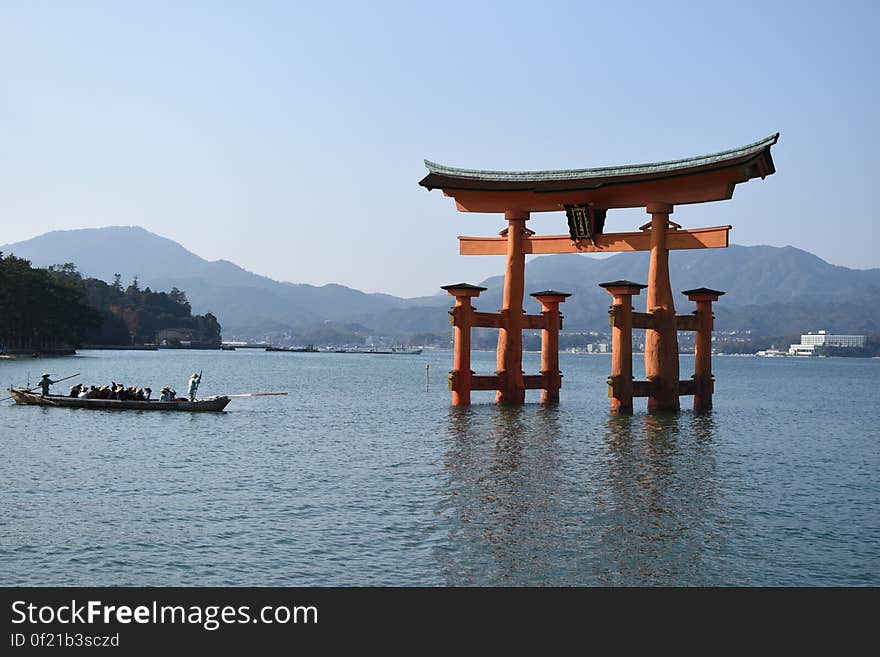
{"points": [[56, 308]]}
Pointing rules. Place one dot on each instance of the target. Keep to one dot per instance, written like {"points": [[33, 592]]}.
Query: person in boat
{"points": [[167, 394], [44, 384], [194, 382], [148, 392], [75, 390], [86, 393]]}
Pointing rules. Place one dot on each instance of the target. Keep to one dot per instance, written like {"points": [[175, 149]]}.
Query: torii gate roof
{"points": [[691, 180]]}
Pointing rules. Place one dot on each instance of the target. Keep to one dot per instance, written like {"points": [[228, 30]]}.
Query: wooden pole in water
{"points": [[703, 346], [512, 388], [462, 320], [661, 341], [550, 300], [620, 382], [254, 394]]}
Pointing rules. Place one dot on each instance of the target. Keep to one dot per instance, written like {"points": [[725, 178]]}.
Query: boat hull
{"points": [[202, 405]]}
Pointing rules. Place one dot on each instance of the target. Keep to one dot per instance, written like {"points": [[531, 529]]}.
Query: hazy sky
{"points": [[288, 137]]}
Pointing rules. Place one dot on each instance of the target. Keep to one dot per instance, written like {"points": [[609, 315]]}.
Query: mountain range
{"points": [[770, 290]]}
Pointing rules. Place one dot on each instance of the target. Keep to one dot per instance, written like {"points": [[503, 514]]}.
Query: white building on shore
{"points": [[811, 343]]}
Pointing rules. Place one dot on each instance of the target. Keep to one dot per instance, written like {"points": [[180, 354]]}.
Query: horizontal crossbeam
{"points": [[687, 323], [645, 388], [646, 320], [486, 382], [534, 381], [643, 320], [696, 238], [496, 320], [487, 320], [534, 322], [493, 381]]}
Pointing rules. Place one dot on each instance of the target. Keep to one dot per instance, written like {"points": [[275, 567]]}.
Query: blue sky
{"points": [[289, 137]]}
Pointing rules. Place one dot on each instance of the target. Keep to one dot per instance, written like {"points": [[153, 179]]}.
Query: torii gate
{"points": [[586, 195]]}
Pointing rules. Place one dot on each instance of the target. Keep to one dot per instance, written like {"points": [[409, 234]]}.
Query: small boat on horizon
{"points": [[26, 397]]}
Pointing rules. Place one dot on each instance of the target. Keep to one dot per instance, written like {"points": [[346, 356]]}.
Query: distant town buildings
{"points": [[812, 343]]}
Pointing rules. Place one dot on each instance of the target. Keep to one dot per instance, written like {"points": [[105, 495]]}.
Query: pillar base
{"points": [[621, 409], [661, 405], [510, 394]]}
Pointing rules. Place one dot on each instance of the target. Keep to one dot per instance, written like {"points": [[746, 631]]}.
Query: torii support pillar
{"points": [[621, 380], [550, 300], [661, 339], [462, 315], [511, 385], [704, 381]]}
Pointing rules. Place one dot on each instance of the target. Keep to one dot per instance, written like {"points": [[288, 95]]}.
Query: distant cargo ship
{"points": [[772, 353], [374, 350], [310, 349]]}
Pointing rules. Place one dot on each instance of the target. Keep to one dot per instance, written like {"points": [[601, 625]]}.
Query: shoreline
{"points": [[26, 353]]}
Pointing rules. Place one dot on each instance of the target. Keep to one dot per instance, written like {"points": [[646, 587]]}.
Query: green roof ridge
{"points": [[599, 172]]}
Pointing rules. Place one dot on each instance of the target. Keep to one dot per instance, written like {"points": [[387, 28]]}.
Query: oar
{"points": [[254, 394], [64, 379], [33, 389]]}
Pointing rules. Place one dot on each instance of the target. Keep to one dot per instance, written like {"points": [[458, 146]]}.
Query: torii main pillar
{"points": [[512, 388], [661, 340]]}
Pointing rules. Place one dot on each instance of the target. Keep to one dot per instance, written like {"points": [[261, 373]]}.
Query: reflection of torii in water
{"points": [[586, 195], [501, 502], [659, 494]]}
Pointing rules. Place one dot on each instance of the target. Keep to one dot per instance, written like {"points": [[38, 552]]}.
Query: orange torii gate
{"points": [[586, 195]]}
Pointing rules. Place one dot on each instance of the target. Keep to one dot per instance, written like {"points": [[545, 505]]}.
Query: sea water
{"points": [[362, 477]]}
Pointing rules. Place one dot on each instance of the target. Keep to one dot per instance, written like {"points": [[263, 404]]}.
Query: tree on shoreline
{"points": [[56, 308], [42, 308], [135, 316]]}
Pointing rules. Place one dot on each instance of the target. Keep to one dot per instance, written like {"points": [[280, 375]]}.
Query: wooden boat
{"points": [[23, 396]]}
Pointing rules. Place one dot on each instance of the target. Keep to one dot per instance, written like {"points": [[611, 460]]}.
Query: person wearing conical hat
{"points": [[44, 383]]}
